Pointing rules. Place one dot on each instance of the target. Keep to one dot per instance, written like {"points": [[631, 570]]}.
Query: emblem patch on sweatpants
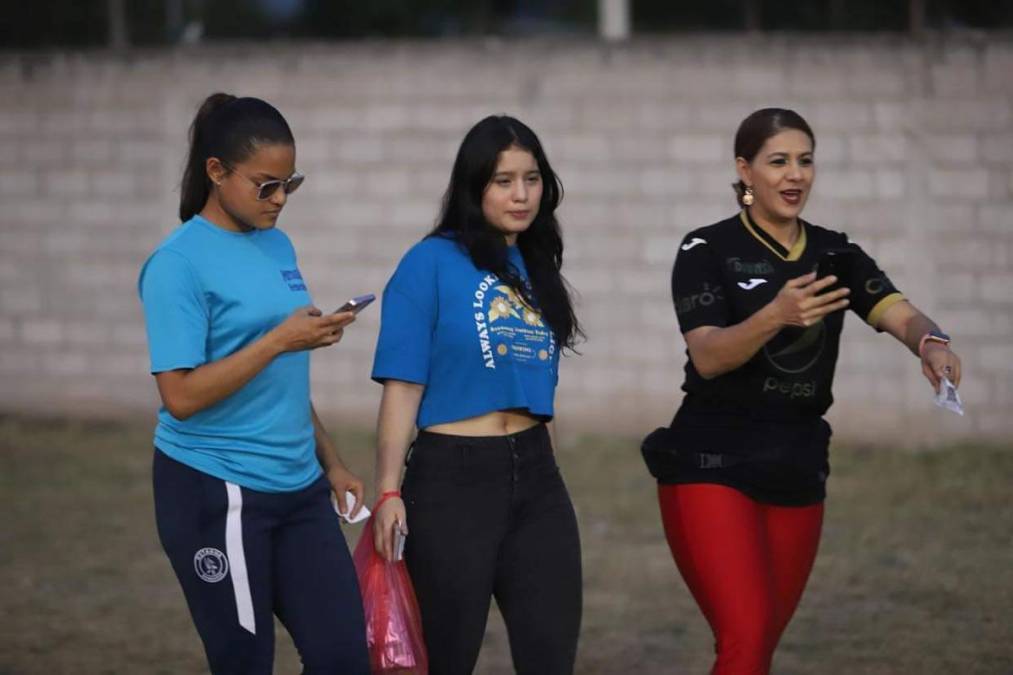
{"points": [[211, 565]]}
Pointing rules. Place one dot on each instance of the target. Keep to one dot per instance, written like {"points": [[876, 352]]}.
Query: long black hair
{"points": [[541, 245], [230, 129], [757, 128]]}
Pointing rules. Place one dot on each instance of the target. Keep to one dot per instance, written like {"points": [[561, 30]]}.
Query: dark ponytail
{"points": [[757, 128], [230, 129]]}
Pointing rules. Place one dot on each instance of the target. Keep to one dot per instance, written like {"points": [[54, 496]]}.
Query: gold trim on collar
{"points": [[796, 250]]}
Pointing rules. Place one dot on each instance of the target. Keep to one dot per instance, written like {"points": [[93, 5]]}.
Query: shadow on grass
{"points": [[914, 575]]}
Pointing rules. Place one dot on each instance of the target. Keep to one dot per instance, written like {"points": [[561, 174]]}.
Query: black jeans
{"points": [[491, 516]]}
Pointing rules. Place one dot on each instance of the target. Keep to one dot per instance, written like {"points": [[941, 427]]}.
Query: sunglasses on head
{"points": [[268, 188]]}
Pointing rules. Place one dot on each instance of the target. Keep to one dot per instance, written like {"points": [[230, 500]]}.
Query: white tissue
{"points": [[948, 397], [349, 505]]}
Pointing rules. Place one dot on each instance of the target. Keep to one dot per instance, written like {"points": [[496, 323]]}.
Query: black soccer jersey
{"points": [[723, 274]]}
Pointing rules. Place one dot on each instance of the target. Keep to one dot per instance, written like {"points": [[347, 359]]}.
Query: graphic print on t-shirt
{"points": [[507, 327]]}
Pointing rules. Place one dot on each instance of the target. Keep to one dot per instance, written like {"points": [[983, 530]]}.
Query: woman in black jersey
{"points": [[742, 468]]}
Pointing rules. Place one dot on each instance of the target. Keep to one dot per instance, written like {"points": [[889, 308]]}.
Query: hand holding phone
{"points": [[356, 304], [836, 262], [399, 539]]}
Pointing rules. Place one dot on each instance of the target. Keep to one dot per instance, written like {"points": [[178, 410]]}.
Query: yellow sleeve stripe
{"points": [[880, 309]]}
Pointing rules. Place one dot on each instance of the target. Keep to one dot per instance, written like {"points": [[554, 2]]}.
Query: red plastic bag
{"points": [[393, 621]]}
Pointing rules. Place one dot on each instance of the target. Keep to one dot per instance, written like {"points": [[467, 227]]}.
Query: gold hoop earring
{"points": [[747, 196]]}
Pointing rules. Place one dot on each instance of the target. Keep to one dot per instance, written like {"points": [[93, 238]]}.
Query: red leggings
{"points": [[745, 563]]}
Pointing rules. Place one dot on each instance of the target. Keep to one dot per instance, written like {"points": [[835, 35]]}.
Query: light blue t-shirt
{"points": [[465, 335], [207, 293]]}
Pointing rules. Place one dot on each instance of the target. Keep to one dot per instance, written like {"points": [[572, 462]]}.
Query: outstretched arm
{"points": [[906, 323]]}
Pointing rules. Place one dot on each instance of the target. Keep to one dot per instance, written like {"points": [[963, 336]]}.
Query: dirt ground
{"points": [[914, 574]]}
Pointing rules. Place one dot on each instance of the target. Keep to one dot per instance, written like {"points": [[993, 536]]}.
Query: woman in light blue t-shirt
{"points": [[243, 469], [472, 325]]}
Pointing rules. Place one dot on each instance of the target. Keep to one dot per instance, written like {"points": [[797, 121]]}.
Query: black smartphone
{"points": [[356, 304], [836, 262]]}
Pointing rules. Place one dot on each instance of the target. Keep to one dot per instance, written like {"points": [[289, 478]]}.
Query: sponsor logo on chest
{"points": [[294, 280]]}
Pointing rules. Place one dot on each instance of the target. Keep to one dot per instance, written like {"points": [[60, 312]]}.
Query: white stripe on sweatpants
{"points": [[237, 558]]}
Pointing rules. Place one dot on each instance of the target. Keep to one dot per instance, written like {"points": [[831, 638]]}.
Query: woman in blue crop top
{"points": [[243, 469], [472, 324]]}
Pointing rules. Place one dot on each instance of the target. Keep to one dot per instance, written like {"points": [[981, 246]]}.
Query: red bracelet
{"points": [[385, 496]]}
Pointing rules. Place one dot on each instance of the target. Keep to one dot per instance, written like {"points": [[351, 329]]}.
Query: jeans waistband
{"points": [[534, 436]]}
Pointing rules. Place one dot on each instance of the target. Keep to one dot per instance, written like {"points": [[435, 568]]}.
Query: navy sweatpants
{"points": [[243, 556]]}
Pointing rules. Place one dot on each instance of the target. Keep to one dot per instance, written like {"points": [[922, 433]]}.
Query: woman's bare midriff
{"points": [[499, 423]]}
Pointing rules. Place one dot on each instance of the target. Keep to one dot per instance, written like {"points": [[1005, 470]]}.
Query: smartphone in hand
{"points": [[356, 304], [837, 262], [399, 539]]}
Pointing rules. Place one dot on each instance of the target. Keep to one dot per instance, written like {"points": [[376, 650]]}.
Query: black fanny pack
{"points": [[667, 451]]}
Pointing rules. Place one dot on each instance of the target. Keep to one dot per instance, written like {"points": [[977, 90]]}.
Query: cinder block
{"points": [[949, 217], [585, 148], [817, 81], [359, 150], [950, 149], [66, 183], [892, 116], [666, 181], [41, 331], [18, 361], [10, 154], [847, 185], [960, 289], [883, 78], [8, 330], [997, 77], [890, 184], [699, 148], [716, 115], [969, 184], [334, 118], [665, 116], [978, 114], [91, 151], [877, 148], [831, 149], [997, 288], [599, 182], [114, 183], [18, 123], [335, 182], [87, 333], [995, 218], [756, 79], [642, 282], [955, 80], [997, 148], [19, 184], [66, 364], [416, 215], [841, 116], [141, 152], [41, 153], [996, 358]]}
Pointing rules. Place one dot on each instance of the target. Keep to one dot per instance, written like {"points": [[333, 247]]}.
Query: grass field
{"points": [[914, 575]]}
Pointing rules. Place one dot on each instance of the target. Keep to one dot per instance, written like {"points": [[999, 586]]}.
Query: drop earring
{"points": [[747, 196]]}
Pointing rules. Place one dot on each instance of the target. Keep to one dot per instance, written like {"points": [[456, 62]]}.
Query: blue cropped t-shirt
{"points": [[465, 335]]}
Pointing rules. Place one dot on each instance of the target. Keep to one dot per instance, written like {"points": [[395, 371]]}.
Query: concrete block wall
{"points": [[915, 162]]}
